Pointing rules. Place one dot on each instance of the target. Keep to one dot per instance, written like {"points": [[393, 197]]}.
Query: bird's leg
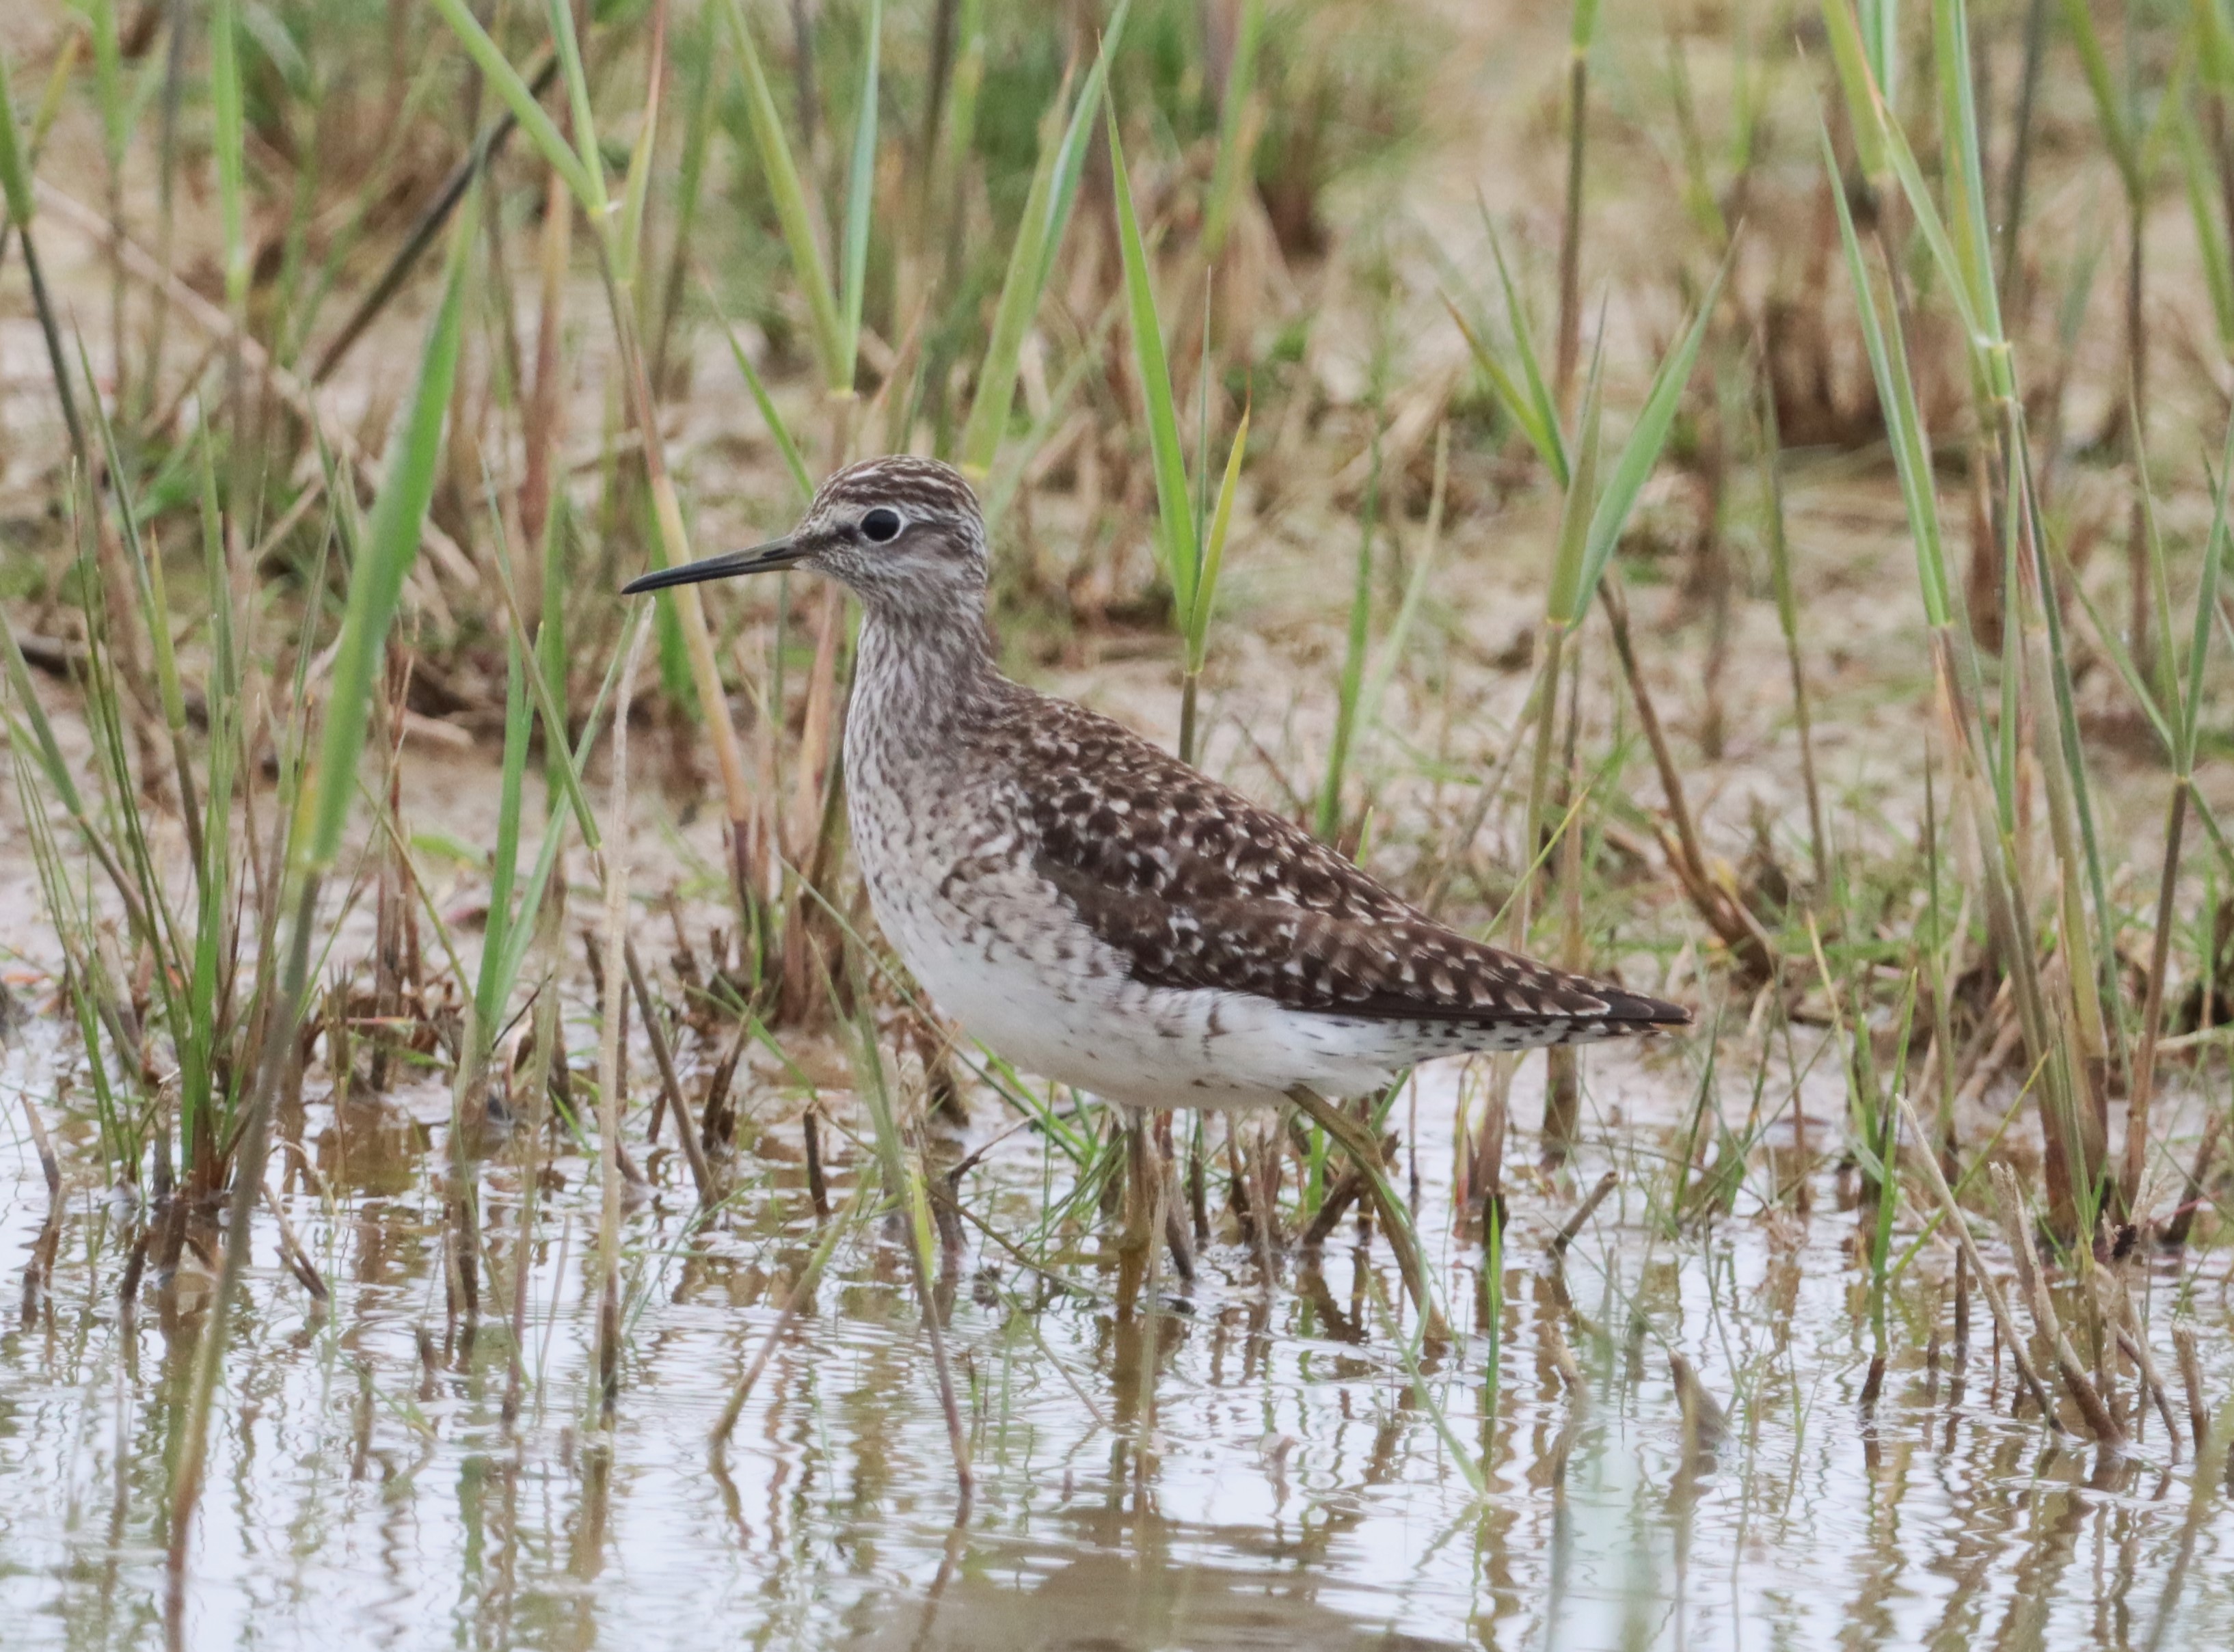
{"points": [[1198, 1188], [1143, 1184], [1175, 1211], [1138, 1252], [1486, 1150], [1356, 1141]]}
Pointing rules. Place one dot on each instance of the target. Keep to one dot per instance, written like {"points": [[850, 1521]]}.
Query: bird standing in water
{"points": [[1088, 906]]}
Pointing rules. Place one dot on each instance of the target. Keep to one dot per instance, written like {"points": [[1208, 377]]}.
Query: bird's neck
{"points": [[923, 669]]}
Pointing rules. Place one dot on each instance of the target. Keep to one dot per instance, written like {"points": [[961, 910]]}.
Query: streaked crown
{"points": [[923, 488]]}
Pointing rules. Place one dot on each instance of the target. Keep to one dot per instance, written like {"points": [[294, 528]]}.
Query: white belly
{"points": [[1053, 1000], [1143, 1046], [997, 951]]}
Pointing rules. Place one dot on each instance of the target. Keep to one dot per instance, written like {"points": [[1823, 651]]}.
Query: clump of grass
{"points": [[313, 843], [2065, 1036]]}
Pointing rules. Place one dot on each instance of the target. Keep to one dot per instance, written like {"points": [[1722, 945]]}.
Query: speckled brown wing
{"points": [[1199, 888]]}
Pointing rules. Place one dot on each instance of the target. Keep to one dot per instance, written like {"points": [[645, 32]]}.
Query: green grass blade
{"points": [[2209, 235], [1780, 545], [1933, 228], [2159, 583], [15, 168], [961, 127], [791, 206], [225, 660], [1047, 205], [147, 567], [494, 988], [636, 188], [1326, 821], [1415, 588], [377, 582], [1202, 413], [1087, 360], [2206, 604], [1880, 30], [564, 771], [1012, 317], [1634, 465], [198, 1040], [689, 189], [577, 97], [1888, 367], [1963, 164], [504, 80], [522, 935], [1181, 555], [1077, 144], [1213, 550], [2109, 106], [52, 765], [1518, 407], [2110, 635], [2214, 45], [1565, 602], [227, 146], [860, 192], [801, 477], [1531, 370]]}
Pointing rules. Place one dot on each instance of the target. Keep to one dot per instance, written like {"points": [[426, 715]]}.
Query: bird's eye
{"points": [[881, 525]]}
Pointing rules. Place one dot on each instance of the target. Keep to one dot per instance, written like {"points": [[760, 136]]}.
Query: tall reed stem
{"points": [[1568, 356], [615, 872]]}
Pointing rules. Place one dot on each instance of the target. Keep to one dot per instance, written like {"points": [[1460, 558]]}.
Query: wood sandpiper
{"points": [[1088, 906]]}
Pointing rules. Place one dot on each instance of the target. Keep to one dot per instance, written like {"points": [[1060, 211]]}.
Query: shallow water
{"points": [[1288, 1486]]}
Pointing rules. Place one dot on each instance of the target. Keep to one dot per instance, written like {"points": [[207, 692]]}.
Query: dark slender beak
{"points": [[761, 558]]}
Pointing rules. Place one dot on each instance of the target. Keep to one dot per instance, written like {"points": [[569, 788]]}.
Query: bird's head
{"points": [[903, 533]]}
